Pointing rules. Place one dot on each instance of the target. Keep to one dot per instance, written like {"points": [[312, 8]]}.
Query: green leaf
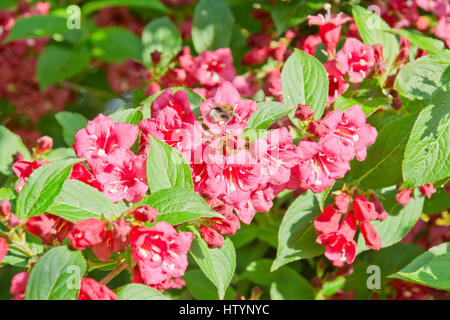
{"points": [[37, 26], [430, 45], [60, 154], [203, 289], [424, 77], [56, 275], [436, 204], [296, 236], [70, 122], [304, 80], [130, 116], [288, 14], [373, 29], [194, 98], [115, 44], [427, 151], [10, 145], [7, 193], [382, 166], [212, 25], [166, 168], [78, 201], [399, 222], [43, 185], [136, 291], [163, 36], [58, 62], [217, 264], [291, 286], [430, 268], [179, 205], [18, 258], [267, 113], [389, 260], [143, 4]]}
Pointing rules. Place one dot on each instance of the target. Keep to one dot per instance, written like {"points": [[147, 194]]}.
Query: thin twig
{"points": [[114, 273]]}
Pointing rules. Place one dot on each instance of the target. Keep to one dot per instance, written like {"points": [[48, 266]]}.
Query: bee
{"points": [[221, 114]]}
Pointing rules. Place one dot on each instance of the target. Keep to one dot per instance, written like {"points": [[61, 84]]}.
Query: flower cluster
{"points": [[337, 233]]}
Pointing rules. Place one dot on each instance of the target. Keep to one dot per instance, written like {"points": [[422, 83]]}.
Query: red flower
{"points": [[3, 249], [427, 190], [87, 233], [211, 237], [214, 67], [19, 285], [356, 59], [145, 213], [160, 252], [124, 177], [337, 84], [101, 138], [92, 290], [403, 196], [329, 27], [23, 170], [371, 236], [364, 209], [80, 173], [5, 208]]}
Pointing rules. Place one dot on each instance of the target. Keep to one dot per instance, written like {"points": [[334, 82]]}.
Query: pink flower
{"points": [[245, 86], [329, 28], [272, 84], [160, 252], [310, 44], [227, 100], [304, 112], [337, 84], [124, 177], [317, 168], [19, 285], [92, 290], [373, 240], [381, 213], [5, 208], [177, 101], [211, 237], [277, 155], [356, 59], [109, 244], [328, 220], [41, 226], [80, 173], [214, 67], [364, 209], [403, 196], [427, 190], [340, 246], [125, 76], [257, 55], [100, 138], [341, 202], [86, 233], [43, 144], [346, 134], [23, 170], [3, 249], [145, 213]]}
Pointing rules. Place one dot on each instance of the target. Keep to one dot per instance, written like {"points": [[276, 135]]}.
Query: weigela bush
{"points": [[219, 149]]}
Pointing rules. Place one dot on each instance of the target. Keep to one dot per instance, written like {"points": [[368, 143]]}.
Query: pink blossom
{"points": [[80, 173], [329, 28], [403, 196], [23, 170], [272, 84], [310, 44], [364, 209], [41, 226], [317, 168], [86, 233], [328, 220], [92, 290], [44, 143], [19, 285], [337, 84], [5, 207], [214, 67], [3, 249], [211, 237], [177, 101], [124, 177], [257, 55], [341, 202], [160, 252], [356, 59], [381, 213], [227, 97], [304, 112], [277, 155], [373, 240], [145, 213], [427, 190], [346, 134], [100, 138], [125, 76]]}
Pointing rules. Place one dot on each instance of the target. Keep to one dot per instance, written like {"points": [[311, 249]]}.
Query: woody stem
{"points": [[114, 273]]}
